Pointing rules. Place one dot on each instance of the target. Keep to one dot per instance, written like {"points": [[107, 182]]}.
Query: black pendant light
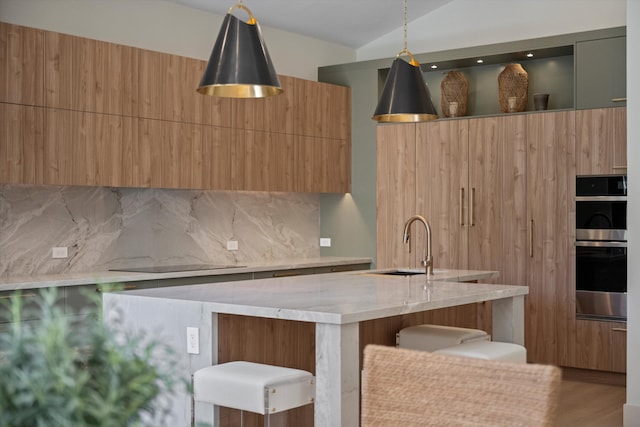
{"points": [[405, 97], [240, 66]]}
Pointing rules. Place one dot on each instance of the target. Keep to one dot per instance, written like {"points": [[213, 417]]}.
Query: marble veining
{"points": [[125, 227]]}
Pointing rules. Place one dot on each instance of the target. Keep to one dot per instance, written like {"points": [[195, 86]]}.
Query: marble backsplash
{"points": [[124, 227]]}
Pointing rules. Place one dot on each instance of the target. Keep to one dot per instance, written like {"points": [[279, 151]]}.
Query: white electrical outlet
{"points": [[193, 340], [232, 245], [60, 252], [325, 242]]}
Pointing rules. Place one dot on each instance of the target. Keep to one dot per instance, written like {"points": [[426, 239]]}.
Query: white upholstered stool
{"points": [[435, 337], [491, 350], [254, 387]]}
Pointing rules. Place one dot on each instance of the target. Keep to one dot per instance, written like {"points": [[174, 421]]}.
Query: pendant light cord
{"points": [[405, 25]]}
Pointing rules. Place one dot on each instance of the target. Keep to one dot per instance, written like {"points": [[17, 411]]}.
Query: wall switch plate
{"points": [[325, 242], [232, 245], [193, 341], [60, 252]]}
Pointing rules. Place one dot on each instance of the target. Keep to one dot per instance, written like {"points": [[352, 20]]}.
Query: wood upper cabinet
{"points": [[89, 75], [21, 149], [601, 141], [322, 109], [167, 91], [21, 65], [180, 155], [83, 148], [442, 190], [497, 196], [550, 313], [396, 187]]}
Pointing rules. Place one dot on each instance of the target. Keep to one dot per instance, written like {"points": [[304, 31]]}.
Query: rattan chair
{"points": [[407, 388]]}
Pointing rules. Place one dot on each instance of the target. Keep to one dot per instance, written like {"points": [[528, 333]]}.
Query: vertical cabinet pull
{"points": [[472, 209], [531, 239], [462, 206]]}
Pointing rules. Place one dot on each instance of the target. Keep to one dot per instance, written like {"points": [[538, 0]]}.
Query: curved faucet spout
{"points": [[406, 238]]}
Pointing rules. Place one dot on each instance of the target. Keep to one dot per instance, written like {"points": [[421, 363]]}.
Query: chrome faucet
{"points": [[427, 262]]}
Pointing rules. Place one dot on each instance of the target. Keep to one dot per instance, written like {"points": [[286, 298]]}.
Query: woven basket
{"points": [[454, 94], [513, 85]]}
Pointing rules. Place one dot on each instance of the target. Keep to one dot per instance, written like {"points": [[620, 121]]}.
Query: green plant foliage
{"points": [[65, 373]]}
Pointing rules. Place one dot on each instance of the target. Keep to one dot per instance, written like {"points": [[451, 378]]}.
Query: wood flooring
{"points": [[583, 404]]}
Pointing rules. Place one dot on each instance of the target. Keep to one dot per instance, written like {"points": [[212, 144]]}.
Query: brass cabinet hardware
{"points": [[531, 239], [462, 206], [620, 167], [472, 208], [287, 274], [619, 329], [17, 296], [619, 99], [126, 288]]}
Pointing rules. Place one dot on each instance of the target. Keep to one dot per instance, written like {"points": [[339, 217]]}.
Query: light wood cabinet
{"points": [[83, 148], [89, 75], [21, 65], [121, 116], [601, 141], [600, 345], [551, 231], [179, 155], [167, 91], [396, 200], [21, 144]]}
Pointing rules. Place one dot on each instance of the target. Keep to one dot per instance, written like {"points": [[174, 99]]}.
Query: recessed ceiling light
{"points": [[479, 61], [529, 55], [434, 66]]}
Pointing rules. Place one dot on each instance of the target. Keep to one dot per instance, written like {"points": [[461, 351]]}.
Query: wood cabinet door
{"points": [[442, 179], [396, 189], [21, 144], [550, 306], [497, 197], [83, 148], [89, 75], [601, 141], [322, 109], [167, 91], [21, 65], [600, 345], [321, 165]]}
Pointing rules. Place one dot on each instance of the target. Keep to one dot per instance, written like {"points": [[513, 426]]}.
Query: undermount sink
{"points": [[402, 272]]}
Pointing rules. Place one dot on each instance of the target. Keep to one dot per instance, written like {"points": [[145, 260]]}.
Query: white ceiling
{"points": [[351, 23]]}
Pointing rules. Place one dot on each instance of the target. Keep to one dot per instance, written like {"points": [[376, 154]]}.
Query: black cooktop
{"points": [[173, 268]]}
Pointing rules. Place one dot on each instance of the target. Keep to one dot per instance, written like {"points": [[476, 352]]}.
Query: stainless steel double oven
{"points": [[601, 247]]}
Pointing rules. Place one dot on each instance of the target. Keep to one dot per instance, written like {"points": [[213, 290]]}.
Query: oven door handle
{"points": [[601, 198], [600, 244]]}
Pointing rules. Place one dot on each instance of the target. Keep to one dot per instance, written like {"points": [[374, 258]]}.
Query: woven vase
{"points": [[513, 85], [454, 94]]}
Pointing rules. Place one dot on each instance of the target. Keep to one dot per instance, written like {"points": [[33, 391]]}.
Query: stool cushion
{"points": [[489, 350], [253, 387], [435, 337]]}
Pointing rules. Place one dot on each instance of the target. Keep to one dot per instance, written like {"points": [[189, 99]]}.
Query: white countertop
{"points": [[337, 298], [100, 277]]}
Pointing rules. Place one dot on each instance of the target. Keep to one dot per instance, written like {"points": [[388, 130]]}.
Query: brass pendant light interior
{"points": [[240, 65], [405, 96]]}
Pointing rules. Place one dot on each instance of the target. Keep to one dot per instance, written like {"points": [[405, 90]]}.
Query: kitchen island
{"points": [[335, 303]]}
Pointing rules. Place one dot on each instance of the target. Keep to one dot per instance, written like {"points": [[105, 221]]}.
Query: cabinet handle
{"points": [[619, 99], [619, 329], [18, 296], [340, 269], [288, 274], [531, 239], [461, 206], [472, 210], [620, 167], [126, 288]]}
